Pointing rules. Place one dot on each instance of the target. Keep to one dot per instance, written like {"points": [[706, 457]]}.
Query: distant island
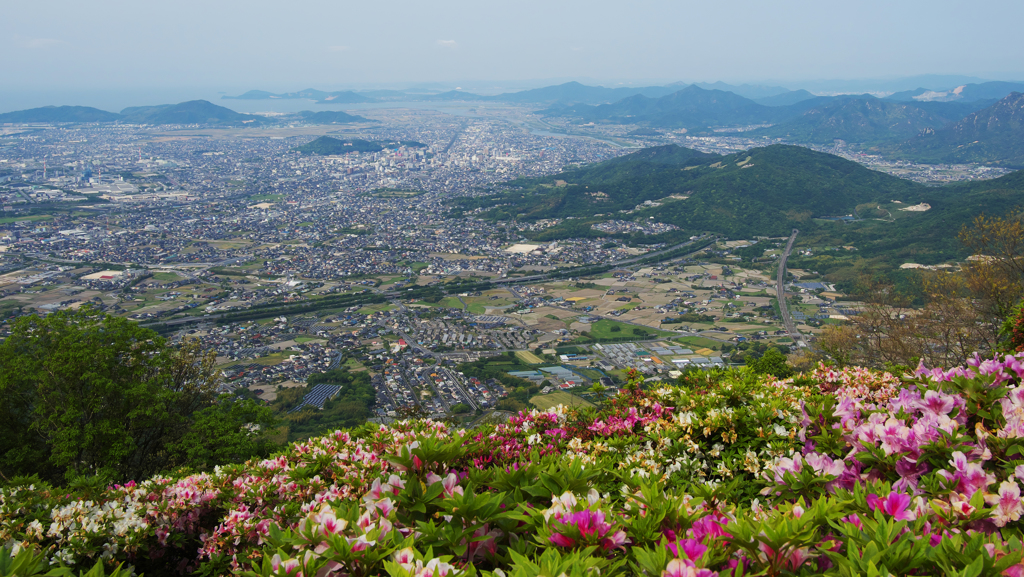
{"points": [[59, 114]]}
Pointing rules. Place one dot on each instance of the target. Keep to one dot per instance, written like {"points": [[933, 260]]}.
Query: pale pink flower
{"points": [[1007, 503]]}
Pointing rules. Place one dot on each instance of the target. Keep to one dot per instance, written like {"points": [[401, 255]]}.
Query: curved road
{"points": [[780, 293]]}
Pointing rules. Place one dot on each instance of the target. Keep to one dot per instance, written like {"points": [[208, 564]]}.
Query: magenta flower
{"points": [[895, 504], [712, 525], [936, 403], [692, 549], [854, 520], [561, 540], [591, 526]]}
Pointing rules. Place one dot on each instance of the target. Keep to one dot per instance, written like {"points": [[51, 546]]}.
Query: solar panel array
{"points": [[318, 396], [304, 323], [492, 319], [669, 351]]}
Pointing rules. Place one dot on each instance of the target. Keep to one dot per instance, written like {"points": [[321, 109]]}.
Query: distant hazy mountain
{"points": [[961, 93], [888, 85], [688, 108], [327, 146], [253, 95], [994, 135], [786, 98], [574, 92], [339, 97], [60, 114], [191, 112], [751, 91], [330, 117], [862, 120], [455, 95]]}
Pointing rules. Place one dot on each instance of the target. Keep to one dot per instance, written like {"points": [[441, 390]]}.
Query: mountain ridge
{"points": [[993, 135]]}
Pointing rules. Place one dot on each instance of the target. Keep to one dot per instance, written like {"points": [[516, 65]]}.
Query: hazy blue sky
{"points": [[231, 45]]}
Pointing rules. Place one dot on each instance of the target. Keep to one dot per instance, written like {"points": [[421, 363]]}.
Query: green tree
{"points": [[772, 362], [86, 393], [220, 421]]}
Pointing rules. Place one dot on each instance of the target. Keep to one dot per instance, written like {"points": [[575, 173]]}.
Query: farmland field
{"points": [[528, 357], [560, 398]]}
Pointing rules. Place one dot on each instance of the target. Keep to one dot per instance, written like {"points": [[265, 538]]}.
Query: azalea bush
{"points": [[841, 472]]}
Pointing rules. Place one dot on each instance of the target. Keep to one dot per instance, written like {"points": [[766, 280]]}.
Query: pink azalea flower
{"points": [[854, 519], [405, 556], [561, 540], [290, 567], [936, 403], [1007, 503], [685, 568], [386, 506], [895, 504], [691, 549], [451, 485]]}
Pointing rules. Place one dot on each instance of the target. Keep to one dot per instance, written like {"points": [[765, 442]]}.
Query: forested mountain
{"points": [[963, 93], [574, 92], [191, 112], [60, 114], [994, 135], [327, 146], [763, 191], [687, 108], [864, 120], [752, 91], [786, 98]]}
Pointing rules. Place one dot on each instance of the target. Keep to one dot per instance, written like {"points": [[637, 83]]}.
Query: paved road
{"points": [[780, 293], [614, 263]]}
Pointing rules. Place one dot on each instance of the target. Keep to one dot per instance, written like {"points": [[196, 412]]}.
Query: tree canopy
{"points": [[87, 393]]}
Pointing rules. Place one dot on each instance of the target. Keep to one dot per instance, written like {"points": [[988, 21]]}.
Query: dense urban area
{"points": [[291, 265]]}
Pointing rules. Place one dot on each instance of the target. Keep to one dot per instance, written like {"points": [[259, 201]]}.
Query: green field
{"points": [[451, 303], [605, 329], [560, 398], [266, 197], [528, 357], [168, 276], [34, 218], [698, 342]]}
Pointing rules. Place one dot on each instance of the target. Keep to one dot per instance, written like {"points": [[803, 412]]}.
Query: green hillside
{"points": [[994, 135], [330, 117], [930, 237], [763, 191], [60, 114], [191, 112], [328, 146]]}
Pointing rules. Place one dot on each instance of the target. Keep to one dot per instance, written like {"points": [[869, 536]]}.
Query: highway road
{"points": [[780, 293], [614, 263]]}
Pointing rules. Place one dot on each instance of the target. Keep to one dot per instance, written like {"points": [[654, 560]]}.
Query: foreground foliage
{"points": [[86, 394], [838, 472]]}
